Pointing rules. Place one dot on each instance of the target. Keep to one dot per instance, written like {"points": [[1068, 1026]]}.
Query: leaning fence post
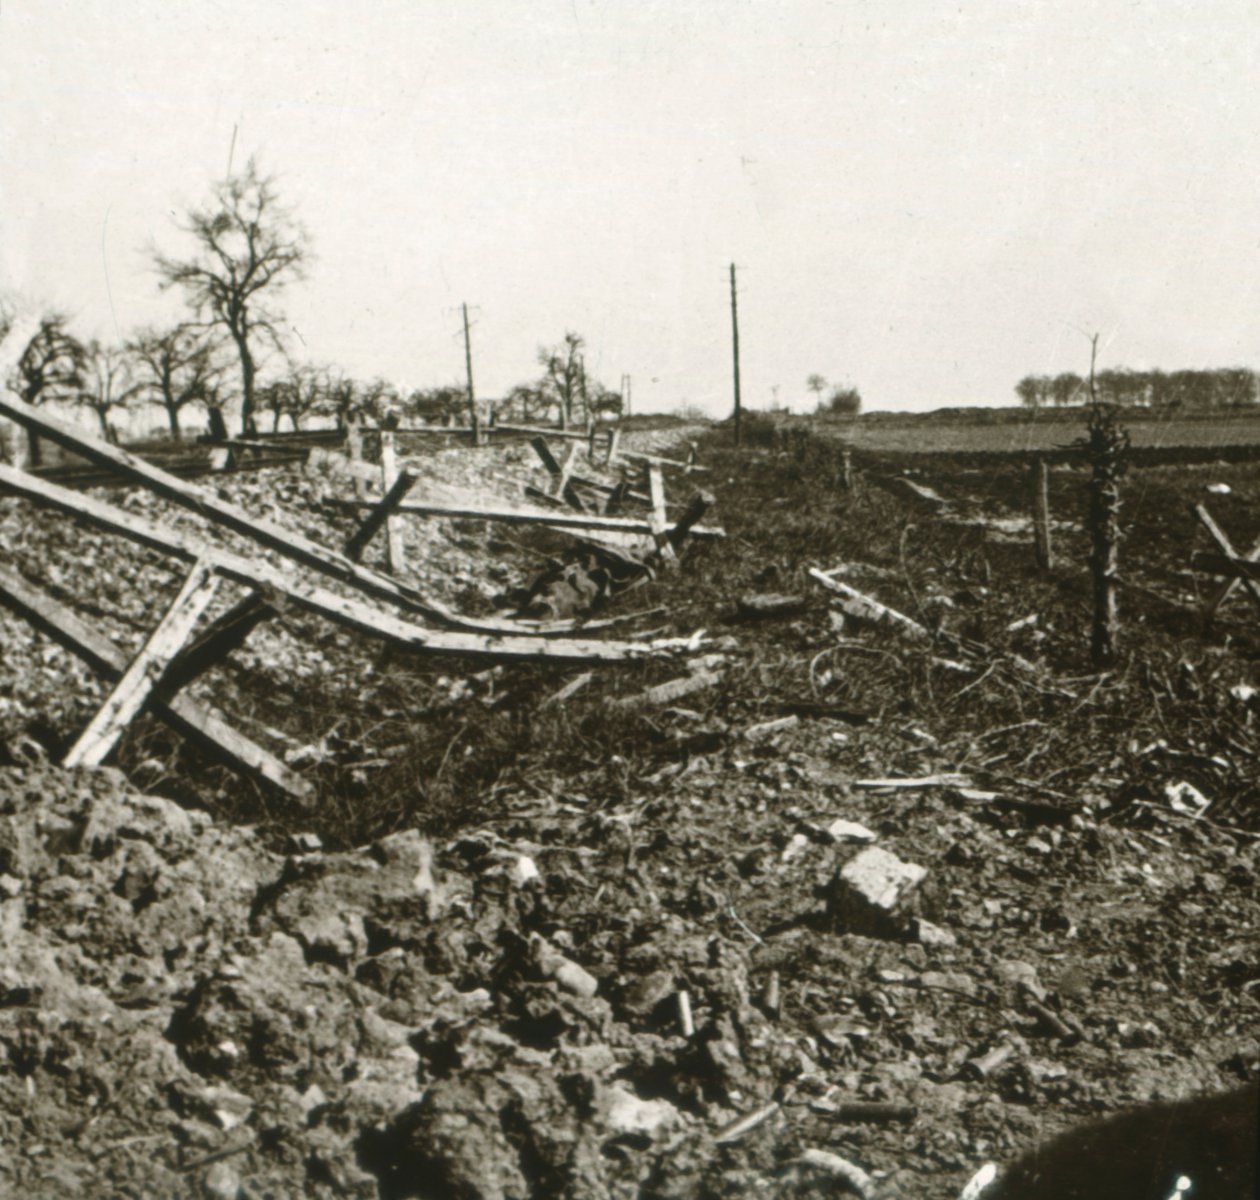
{"points": [[1105, 445], [846, 469], [1041, 513], [393, 527]]}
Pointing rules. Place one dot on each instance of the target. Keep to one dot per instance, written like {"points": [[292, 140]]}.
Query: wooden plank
{"points": [[353, 614], [688, 524], [266, 533], [225, 634], [541, 431], [188, 718], [1217, 534], [658, 460], [538, 516], [380, 512], [132, 691], [867, 606], [393, 530], [354, 444], [659, 518], [544, 453], [564, 486], [614, 441]]}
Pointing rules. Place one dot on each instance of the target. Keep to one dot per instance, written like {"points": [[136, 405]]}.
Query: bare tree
{"points": [[180, 369], [110, 383], [564, 378], [51, 368], [248, 249], [309, 391]]}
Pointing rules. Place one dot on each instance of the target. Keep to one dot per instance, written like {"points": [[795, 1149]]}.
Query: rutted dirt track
{"points": [[632, 963]]}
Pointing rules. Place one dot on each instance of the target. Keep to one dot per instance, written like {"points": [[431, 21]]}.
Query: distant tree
{"points": [[816, 384], [275, 397], [180, 369], [1034, 391], [1236, 386], [604, 402], [440, 405], [378, 400], [844, 401], [527, 403], [248, 248], [51, 368], [308, 390], [564, 376], [111, 383], [340, 400], [1066, 388]]}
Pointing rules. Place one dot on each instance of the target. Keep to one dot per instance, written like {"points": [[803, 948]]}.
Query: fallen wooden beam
{"points": [[184, 715], [258, 529], [133, 689], [379, 513], [353, 614], [656, 459], [861, 605], [659, 517], [225, 634], [1217, 534], [543, 431], [556, 520]]}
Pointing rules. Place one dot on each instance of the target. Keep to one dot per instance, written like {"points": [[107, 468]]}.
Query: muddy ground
{"points": [[521, 948]]}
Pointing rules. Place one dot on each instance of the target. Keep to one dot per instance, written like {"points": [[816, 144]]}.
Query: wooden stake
{"points": [[1041, 513], [145, 672], [659, 518], [394, 555], [184, 715], [614, 439], [354, 443], [381, 514]]}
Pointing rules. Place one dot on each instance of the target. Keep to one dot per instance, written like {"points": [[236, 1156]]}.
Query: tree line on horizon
{"points": [[1224, 387], [231, 350]]}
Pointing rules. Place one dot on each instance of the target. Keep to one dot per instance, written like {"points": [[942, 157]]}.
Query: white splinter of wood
{"points": [[869, 607], [145, 672], [393, 527], [659, 519]]}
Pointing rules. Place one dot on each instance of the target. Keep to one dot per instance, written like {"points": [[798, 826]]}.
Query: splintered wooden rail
{"points": [[351, 613], [139, 680], [258, 529], [186, 716]]}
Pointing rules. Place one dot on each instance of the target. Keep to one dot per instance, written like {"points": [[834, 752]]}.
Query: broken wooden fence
{"points": [[187, 717], [258, 529]]}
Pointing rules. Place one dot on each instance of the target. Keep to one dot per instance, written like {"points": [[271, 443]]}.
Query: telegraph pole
{"points": [[735, 352], [472, 403]]}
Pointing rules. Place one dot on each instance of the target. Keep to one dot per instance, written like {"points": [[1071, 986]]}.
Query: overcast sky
{"points": [[928, 200]]}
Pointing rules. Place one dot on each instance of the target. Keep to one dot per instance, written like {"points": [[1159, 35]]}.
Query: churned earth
{"points": [[864, 913]]}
